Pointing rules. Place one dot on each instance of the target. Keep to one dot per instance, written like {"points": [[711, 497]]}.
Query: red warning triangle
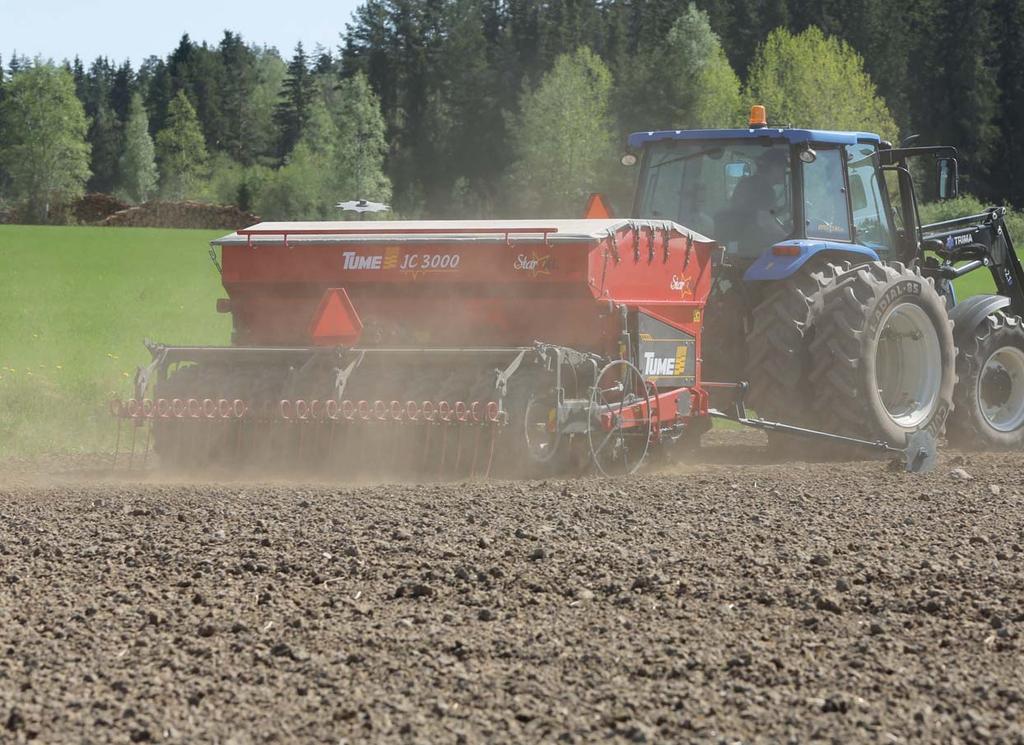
{"points": [[597, 208], [336, 322]]}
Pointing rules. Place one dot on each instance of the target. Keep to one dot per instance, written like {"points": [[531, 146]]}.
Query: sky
{"points": [[120, 29]]}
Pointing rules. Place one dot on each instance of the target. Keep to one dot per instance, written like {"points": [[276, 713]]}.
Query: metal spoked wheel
{"points": [[541, 428], [1001, 389], [619, 425], [908, 365]]}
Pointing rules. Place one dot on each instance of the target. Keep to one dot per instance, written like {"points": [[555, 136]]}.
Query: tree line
{"points": [[460, 108]]}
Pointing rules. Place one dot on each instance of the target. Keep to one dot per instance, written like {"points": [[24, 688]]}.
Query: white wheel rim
{"points": [[1000, 389], [541, 444], [908, 365]]}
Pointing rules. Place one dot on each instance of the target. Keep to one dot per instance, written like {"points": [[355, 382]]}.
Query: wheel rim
{"points": [[1001, 389], [620, 450], [541, 437], [908, 365]]}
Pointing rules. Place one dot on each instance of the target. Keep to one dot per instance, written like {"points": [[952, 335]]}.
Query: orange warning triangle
{"points": [[597, 208], [336, 322]]}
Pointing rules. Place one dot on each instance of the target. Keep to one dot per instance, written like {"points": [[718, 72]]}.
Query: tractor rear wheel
{"points": [[883, 356], [778, 363], [989, 397]]}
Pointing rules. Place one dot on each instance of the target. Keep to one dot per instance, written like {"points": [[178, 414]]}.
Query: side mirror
{"points": [[948, 176]]}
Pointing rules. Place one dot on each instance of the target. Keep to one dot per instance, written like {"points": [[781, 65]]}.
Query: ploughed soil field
{"points": [[718, 602]]}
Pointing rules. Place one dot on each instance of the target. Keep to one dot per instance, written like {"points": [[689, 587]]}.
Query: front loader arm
{"points": [[980, 240]]}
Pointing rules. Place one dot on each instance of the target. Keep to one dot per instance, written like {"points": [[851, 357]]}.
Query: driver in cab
{"points": [[759, 214]]}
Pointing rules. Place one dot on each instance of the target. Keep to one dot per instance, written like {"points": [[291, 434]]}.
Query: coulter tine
{"points": [[117, 445], [330, 441], [476, 451], [239, 431], [145, 453], [458, 449], [444, 450], [131, 458], [394, 434], [427, 426]]}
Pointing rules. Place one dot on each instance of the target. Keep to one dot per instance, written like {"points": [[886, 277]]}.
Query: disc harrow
{"points": [[309, 430]]}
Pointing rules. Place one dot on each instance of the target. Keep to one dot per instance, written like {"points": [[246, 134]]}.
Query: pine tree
{"points": [[105, 140], [43, 149], [179, 64], [685, 82], [181, 150], [263, 136], [17, 64], [465, 117], [78, 72], [1006, 183], [323, 62], [206, 74], [137, 179], [240, 79], [292, 113], [953, 62], [155, 83], [121, 91], [98, 82]]}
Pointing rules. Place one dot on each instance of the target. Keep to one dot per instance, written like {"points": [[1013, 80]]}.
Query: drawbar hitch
{"points": [[918, 454]]}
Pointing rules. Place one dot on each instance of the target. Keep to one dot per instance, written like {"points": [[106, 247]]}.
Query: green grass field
{"points": [[75, 305]]}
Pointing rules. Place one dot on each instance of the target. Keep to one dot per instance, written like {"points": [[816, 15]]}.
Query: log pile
{"points": [[161, 214], [95, 207]]}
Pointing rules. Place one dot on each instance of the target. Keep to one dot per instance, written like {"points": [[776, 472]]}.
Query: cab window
{"points": [[867, 198], [825, 211]]}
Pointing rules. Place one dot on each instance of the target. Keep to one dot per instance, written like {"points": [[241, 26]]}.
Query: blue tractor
{"points": [[830, 297]]}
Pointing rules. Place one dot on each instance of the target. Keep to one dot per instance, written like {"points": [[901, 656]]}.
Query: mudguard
{"points": [[967, 315], [784, 259]]}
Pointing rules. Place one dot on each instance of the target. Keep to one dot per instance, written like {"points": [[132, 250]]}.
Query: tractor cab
{"points": [[771, 197]]}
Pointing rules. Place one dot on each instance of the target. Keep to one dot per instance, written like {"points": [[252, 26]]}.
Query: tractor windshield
{"points": [[739, 192]]}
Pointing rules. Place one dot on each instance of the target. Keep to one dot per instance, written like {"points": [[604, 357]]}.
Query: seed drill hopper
{"points": [[442, 350]]}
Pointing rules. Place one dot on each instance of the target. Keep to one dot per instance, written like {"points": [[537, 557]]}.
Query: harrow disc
{"points": [[620, 424]]}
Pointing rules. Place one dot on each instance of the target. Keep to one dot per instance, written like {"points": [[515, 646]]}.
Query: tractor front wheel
{"points": [[990, 394], [883, 357]]}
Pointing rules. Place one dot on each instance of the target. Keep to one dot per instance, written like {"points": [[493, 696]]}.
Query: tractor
{"points": [[830, 297]]}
